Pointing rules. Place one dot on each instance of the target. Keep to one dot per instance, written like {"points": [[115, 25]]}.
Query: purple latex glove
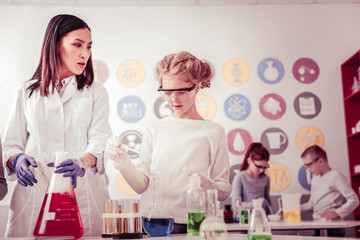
{"points": [[21, 162], [70, 168]]}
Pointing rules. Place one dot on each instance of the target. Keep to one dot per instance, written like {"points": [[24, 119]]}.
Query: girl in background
{"points": [[252, 182]]}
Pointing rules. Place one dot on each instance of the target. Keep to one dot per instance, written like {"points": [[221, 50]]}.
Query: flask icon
{"points": [[59, 214]]}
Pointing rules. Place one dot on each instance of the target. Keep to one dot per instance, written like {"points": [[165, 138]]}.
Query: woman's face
{"points": [[74, 52], [257, 166], [182, 102]]}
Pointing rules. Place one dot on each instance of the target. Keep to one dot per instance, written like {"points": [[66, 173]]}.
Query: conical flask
{"points": [[212, 228], [259, 226], [158, 221], [59, 214]]}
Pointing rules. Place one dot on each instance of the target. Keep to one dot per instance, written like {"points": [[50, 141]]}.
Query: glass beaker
{"points": [[291, 207], [259, 228], [157, 220], [59, 214], [212, 228], [195, 205]]}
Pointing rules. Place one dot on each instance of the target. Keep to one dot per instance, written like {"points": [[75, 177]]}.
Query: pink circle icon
{"points": [[238, 141], [306, 70], [272, 106]]}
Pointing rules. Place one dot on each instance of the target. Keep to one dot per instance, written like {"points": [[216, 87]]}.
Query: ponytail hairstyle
{"points": [[183, 63], [47, 71], [255, 151]]}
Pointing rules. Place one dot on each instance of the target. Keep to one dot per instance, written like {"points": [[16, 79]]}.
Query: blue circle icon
{"points": [[304, 178], [131, 109], [270, 70], [237, 107]]}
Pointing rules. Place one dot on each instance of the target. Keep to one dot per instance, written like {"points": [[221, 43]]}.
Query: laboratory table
{"points": [[297, 226], [230, 236]]}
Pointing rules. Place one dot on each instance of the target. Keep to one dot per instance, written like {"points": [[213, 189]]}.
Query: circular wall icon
{"points": [[307, 105], [306, 70], [279, 177], [101, 71], [308, 136], [237, 107], [131, 139], [270, 70], [275, 140], [272, 106], [238, 141], [236, 72], [131, 73], [123, 186], [162, 108], [206, 106], [131, 109], [304, 177]]}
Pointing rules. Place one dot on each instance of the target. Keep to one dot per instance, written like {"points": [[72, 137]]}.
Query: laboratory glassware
{"points": [[59, 214], [158, 221], [259, 228], [212, 228], [195, 205]]}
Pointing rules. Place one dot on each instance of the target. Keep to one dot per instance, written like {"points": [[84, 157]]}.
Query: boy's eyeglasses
{"points": [[311, 163], [181, 94], [260, 167]]}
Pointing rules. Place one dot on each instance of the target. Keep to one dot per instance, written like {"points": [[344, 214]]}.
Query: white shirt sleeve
{"points": [[352, 200]]}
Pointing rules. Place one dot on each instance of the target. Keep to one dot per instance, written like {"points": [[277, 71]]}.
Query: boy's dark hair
{"points": [[316, 150]]}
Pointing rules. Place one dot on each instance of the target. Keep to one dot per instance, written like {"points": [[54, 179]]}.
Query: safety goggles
{"points": [[180, 94], [260, 167], [308, 165]]}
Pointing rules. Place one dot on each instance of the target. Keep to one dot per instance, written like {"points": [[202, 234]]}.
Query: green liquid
{"points": [[194, 219], [259, 236], [244, 216]]}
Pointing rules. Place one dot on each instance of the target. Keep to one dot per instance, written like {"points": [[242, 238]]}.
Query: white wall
{"points": [[327, 34]]}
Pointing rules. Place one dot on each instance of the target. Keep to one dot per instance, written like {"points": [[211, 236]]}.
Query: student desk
{"points": [[303, 225]]}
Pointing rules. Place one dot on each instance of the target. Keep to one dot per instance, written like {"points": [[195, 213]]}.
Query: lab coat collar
{"points": [[70, 89]]}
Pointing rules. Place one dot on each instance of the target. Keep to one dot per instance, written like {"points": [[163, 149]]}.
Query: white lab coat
{"points": [[76, 123]]}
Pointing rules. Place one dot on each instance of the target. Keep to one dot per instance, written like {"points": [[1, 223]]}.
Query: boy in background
{"points": [[331, 195]]}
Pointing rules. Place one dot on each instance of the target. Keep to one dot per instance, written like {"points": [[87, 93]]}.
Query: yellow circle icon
{"points": [[123, 186], [236, 72], [131, 73], [206, 106], [308, 136], [279, 177]]}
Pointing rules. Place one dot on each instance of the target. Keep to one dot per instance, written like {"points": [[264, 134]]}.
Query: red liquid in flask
{"points": [[59, 216]]}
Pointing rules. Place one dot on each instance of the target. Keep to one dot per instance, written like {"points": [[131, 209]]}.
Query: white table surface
{"points": [[230, 236], [281, 225]]}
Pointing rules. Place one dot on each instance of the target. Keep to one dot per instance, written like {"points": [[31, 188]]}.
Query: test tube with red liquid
{"points": [[59, 214]]}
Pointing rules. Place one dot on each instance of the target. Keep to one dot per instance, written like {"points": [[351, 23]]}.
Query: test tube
{"points": [[136, 222], [108, 220], [119, 220]]}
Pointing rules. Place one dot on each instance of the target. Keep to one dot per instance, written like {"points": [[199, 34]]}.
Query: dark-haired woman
{"points": [[60, 108], [252, 182]]}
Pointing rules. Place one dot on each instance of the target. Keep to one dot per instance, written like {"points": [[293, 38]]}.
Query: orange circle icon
{"points": [[123, 186], [308, 136], [236, 72], [279, 177], [206, 106], [131, 73]]}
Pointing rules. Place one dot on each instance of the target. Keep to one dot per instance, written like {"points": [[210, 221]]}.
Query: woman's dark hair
{"points": [[255, 151], [47, 71]]}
